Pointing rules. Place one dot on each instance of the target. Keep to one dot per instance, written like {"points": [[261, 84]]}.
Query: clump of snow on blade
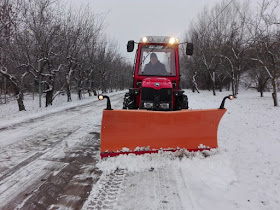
{"points": [[137, 149], [137, 163], [125, 149], [201, 146], [199, 154]]}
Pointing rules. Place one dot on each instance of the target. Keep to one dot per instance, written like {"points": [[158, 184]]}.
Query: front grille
{"points": [[156, 96]]}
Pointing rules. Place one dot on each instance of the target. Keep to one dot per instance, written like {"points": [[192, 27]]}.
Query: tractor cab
{"points": [[156, 75], [157, 58]]}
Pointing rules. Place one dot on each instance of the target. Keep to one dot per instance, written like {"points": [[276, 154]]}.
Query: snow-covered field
{"points": [[244, 173]]}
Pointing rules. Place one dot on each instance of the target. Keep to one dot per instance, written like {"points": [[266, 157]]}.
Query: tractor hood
{"points": [[156, 83]]}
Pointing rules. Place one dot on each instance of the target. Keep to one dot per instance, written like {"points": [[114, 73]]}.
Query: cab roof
{"points": [[159, 39]]}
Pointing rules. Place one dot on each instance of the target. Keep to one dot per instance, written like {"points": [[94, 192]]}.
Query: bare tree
{"points": [[228, 38], [266, 44], [8, 24], [57, 51]]}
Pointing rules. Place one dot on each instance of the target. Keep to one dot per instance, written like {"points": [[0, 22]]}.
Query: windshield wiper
{"points": [[147, 56]]}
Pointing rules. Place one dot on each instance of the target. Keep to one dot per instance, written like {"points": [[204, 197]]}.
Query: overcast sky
{"points": [[133, 19]]}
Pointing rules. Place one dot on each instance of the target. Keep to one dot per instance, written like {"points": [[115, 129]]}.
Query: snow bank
{"points": [[136, 163]]}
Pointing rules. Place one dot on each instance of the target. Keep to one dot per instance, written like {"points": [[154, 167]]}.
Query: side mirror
{"points": [[189, 49], [130, 46]]}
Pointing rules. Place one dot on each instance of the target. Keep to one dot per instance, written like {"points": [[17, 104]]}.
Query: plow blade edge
{"points": [[135, 129]]}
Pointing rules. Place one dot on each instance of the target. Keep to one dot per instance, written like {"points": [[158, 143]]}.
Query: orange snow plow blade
{"points": [[142, 131]]}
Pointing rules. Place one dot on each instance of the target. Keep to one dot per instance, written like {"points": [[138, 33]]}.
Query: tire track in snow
{"points": [[184, 190], [167, 190], [22, 153], [33, 157], [150, 189], [109, 188], [51, 183]]}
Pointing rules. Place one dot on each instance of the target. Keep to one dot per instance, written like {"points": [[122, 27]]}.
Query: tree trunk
{"points": [[237, 79], [49, 97], [89, 88], [194, 86], [17, 89], [79, 91], [94, 92], [274, 94], [237, 83], [261, 91], [89, 93], [19, 97], [213, 83], [93, 89], [214, 88], [5, 90], [233, 88], [21, 106], [261, 88], [79, 85], [68, 92], [68, 83]]}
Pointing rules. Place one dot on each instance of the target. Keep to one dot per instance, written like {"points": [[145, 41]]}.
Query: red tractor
{"points": [[156, 81], [155, 115]]}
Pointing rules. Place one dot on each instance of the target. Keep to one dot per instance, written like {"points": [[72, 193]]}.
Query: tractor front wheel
{"points": [[129, 101], [182, 102]]}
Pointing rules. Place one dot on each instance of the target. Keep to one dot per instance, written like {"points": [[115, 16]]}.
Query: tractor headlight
{"points": [[148, 105], [172, 40], [164, 105], [144, 39]]}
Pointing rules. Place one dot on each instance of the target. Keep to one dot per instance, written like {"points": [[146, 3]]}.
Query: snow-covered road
{"points": [[50, 160]]}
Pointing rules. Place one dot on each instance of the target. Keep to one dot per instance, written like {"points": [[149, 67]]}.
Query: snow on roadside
{"points": [[9, 113]]}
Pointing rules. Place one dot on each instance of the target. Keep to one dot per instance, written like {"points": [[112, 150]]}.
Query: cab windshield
{"points": [[157, 60]]}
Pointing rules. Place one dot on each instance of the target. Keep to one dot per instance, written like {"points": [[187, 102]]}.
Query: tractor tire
{"points": [[182, 102], [129, 101]]}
